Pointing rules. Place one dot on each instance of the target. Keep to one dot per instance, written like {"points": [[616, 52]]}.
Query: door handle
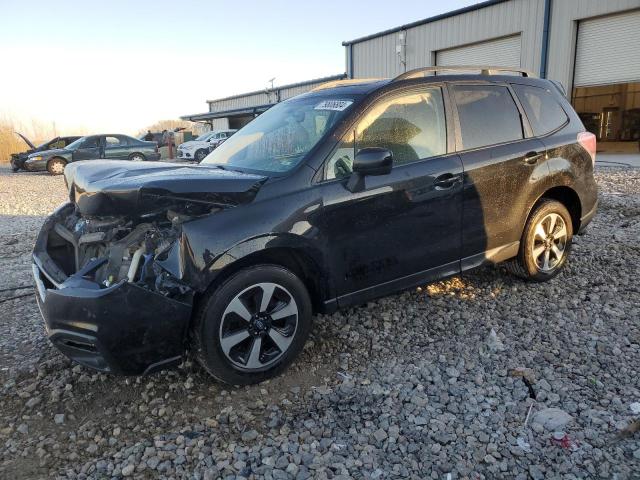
{"points": [[531, 158], [445, 181]]}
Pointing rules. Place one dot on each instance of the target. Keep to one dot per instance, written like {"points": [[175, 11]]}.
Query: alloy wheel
{"points": [[258, 326], [549, 242], [137, 158], [57, 168]]}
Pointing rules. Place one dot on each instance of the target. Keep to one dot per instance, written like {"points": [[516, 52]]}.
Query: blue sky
{"points": [[120, 65]]}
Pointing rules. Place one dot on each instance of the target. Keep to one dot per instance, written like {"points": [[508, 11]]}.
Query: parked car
{"points": [[18, 159], [93, 147], [327, 200], [200, 147]]}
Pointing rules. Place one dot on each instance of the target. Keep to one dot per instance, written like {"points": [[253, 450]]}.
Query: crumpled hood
{"points": [[102, 188]]}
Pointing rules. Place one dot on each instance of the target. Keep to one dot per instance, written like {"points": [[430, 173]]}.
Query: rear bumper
{"points": [[586, 219]]}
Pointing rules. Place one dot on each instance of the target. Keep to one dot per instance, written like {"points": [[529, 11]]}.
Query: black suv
{"points": [[352, 191]]}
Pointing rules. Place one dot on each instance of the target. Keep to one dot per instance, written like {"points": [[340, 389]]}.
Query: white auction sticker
{"points": [[337, 105]]}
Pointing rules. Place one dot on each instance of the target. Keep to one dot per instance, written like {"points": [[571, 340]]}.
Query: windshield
{"points": [[75, 145], [203, 137], [280, 138]]}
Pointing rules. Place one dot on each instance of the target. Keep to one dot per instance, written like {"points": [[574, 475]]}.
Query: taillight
{"points": [[588, 142]]}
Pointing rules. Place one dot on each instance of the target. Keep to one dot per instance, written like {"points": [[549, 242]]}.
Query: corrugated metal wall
{"points": [[220, 124], [377, 57], [256, 99], [565, 16], [244, 101]]}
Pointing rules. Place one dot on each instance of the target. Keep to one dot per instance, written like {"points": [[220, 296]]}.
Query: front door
{"points": [[402, 228], [90, 149]]}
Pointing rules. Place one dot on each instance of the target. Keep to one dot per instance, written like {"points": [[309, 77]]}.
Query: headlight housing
{"points": [[35, 157]]}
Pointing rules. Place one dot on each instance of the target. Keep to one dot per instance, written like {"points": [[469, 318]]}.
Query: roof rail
{"points": [[344, 82], [484, 70]]}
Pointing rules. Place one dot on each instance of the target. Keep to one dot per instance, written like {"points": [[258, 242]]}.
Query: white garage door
{"points": [[504, 52], [608, 50]]}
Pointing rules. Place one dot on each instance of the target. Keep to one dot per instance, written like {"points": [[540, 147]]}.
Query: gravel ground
{"points": [[474, 377]]}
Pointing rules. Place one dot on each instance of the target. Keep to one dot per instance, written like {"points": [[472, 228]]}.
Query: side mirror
{"points": [[373, 161], [369, 161]]}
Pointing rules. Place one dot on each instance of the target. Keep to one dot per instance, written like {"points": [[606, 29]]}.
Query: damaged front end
{"points": [[107, 301], [109, 285]]}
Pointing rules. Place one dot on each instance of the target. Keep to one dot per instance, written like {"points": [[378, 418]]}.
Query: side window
{"points": [[543, 111], [488, 115], [125, 141], [90, 142], [112, 142], [411, 125]]}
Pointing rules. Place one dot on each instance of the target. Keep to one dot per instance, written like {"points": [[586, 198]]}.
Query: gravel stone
{"points": [[416, 385]]}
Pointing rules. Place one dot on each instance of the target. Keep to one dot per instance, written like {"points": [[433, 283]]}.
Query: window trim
{"points": [[372, 101], [527, 133], [566, 114]]}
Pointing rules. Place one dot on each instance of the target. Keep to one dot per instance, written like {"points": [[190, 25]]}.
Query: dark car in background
{"points": [[352, 191], [93, 147], [18, 159]]}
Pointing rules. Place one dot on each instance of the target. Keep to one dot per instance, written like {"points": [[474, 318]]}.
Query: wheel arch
{"points": [[57, 157], [133, 154], [297, 259], [569, 198]]}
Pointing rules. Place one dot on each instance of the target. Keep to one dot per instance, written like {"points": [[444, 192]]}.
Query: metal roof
{"points": [[442, 16], [199, 117], [282, 87]]}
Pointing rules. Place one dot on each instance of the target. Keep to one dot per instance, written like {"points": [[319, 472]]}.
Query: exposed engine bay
{"points": [[109, 250]]}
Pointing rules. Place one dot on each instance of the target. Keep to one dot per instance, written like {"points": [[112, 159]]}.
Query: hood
{"points": [[50, 153], [194, 144], [103, 188], [26, 140]]}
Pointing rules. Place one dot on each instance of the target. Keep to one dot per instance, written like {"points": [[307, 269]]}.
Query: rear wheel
{"points": [[56, 166], [252, 326], [545, 243], [137, 157]]}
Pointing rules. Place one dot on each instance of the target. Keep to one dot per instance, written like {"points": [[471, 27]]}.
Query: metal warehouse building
{"points": [[591, 46], [238, 110]]}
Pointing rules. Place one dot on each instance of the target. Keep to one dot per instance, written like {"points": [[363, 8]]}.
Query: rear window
{"points": [[543, 111], [488, 115]]}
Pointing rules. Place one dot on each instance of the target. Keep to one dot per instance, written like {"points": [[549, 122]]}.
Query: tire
{"points": [[55, 166], [250, 354], [200, 154], [137, 157], [545, 244]]}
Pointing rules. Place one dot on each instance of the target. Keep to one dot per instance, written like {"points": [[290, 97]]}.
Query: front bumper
{"points": [[35, 165], [125, 328], [153, 157], [187, 155], [17, 162]]}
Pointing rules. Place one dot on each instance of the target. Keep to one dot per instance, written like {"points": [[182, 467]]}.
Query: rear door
{"points": [[405, 226], [116, 148], [502, 164]]}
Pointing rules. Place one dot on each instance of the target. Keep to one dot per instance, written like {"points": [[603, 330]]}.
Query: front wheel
{"points": [[137, 157], [545, 243], [200, 154], [56, 166], [252, 326]]}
